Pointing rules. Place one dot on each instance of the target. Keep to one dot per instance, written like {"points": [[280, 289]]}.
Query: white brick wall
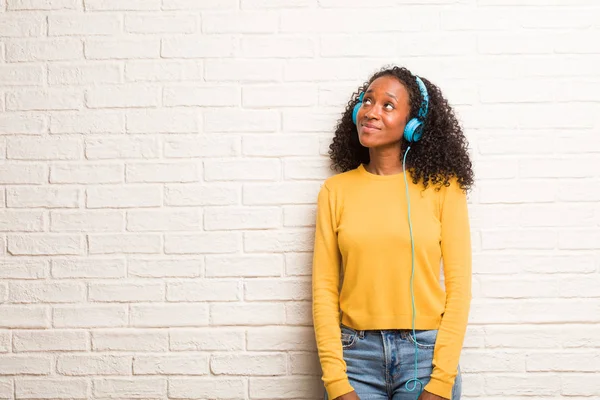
{"points": [[160, 161]]}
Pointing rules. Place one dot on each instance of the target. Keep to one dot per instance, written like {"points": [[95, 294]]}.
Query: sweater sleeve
{"points": [[325, 292], [456, 255]]}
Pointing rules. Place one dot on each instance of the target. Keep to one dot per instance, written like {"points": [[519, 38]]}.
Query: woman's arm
{"points": [[325, 291], [456, 255]]}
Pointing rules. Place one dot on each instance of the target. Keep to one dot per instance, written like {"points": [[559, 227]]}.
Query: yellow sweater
{"points": [[362, 227]]}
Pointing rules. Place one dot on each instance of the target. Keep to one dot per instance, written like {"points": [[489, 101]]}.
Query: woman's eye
{"points": [[367, 101], [389, 106]]}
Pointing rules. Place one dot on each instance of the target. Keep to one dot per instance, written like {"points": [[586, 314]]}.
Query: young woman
{"points": [[385, 325]]}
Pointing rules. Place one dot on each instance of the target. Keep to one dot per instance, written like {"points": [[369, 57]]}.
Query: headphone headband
{"points": [[425, 103]]}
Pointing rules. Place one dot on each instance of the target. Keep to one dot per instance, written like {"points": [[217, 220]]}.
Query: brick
{"points": [[169, 315], [25, 317], [196, 5], [304, 364], [280, 193], [250, 265], [201, 146], [51, 340], [164, 70], [556, 168], [51, 388], [83, 74], [46, 99], [251, 70], [281, 339], [197, 47], [87, 173], [279, 96], [299, 216], [240, 22], [88, 122], [44, 149], [203, 290], [121, 49], [23, 173], [285, 387], [228, 218], [81, 365], [309, 169], [184, 388], [308, 121], [88, 268], [25, 365], [133, 388], [276, 46], [196, 364], [267, 4], [66, 25], [23, 269], [126, 292], [247, 314], [124, 243], [161, 220], [123, 196], [43, 5], [158, 268], [116, 148], [45, 244], [206, 339], [86, 221], [517, 192], [44, 50], [259, 364], [322, 70], [163, 120], [21, 75], [241, 121], [117, 5], [277, 289], [90, 316], [20, 26], [130, 340], [160, 24], [242, 170], [579, 239], [123, 96], [283, 145], [41, 292], [7, 388], [162, 172], [298, 313], [207, 96], [22, 124], [200, 243], [49, 197], [298, 264], [529, 238]]}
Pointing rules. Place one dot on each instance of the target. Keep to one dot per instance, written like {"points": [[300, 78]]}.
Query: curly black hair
{"points": [[440, 155]]}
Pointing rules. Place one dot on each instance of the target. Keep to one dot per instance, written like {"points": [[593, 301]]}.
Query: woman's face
{"points": [[383, 114]]}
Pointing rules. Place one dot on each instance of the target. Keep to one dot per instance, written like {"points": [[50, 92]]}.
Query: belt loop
{"points": [[361, 334]]}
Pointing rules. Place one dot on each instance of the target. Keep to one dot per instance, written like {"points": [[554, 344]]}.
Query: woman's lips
{"points": [[368, 128]]}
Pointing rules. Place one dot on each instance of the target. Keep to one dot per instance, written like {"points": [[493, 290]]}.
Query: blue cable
{"points": [[414, 380]]}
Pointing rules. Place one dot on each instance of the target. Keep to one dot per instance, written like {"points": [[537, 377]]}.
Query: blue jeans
{"points": [[380, 362]]}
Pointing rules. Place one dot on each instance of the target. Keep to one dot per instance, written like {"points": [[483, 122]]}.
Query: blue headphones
{"points": [[414, 128]]}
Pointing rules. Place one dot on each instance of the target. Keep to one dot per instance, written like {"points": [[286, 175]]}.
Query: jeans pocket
{"points": [[349, 337], [424, 339]]}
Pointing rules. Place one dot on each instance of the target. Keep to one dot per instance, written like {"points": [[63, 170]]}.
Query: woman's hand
{"points": [[425, 395], [348, 396]]}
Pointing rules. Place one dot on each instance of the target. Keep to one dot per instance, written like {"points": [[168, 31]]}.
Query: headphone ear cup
{"points": [[413, 130], [357, 106], [355, 111]]}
